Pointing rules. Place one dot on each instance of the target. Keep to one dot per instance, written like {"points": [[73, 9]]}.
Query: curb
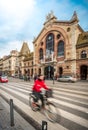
{"points": [[30, 120]]}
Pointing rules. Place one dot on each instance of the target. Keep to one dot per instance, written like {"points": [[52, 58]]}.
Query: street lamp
{"points": [[53, 65], [53, 71]]}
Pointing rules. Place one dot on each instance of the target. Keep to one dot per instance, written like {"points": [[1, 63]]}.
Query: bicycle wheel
{"points": [[31, 103], [51, 112]]}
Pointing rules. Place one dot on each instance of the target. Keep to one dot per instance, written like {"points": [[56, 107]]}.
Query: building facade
{"points": [[1, 66], [17, 63], [9, 63], [61, 48], [56, 49], [25, 64], [82, 56]]}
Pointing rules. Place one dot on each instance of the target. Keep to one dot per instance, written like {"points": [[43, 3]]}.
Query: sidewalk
{"points": [[49, 82], [19, 122]]}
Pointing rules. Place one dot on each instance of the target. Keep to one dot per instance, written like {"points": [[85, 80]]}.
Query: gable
{"points": [[25, 49]]}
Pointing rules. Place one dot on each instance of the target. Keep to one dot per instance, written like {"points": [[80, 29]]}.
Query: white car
{"points": [[67, 78]]}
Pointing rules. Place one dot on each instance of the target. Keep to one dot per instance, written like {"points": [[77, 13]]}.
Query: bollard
{"points": [[44, 125], [11, 113]]}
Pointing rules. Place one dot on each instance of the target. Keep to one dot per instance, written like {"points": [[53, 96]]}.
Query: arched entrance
{"points": [[31, 72], [28, 72], [25, 71], [60, 71], [39, 71], [49, 72], [83, 72]]}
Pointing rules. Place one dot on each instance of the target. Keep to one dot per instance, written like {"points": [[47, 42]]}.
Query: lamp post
{"points": [[53, 65], [53, 71]]}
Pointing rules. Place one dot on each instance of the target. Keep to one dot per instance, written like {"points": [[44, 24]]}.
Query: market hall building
{"points": [[61, 48]]}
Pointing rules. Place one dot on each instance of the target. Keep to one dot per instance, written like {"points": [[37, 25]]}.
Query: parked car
{"points": [[67, 78], [3, 79]]}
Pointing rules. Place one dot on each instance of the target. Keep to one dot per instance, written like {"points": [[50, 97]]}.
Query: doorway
{"points": [[83, 72], [49, 72], [60, 71]]}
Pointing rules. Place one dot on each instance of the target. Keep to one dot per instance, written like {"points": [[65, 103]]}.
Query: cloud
{"points": [[16, 8], [14, 14], [5, 49], [14, 18], [14, 45], [21, 20]]}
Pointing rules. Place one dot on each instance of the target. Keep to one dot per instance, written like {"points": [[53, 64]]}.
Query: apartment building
{"points": [[9, 63]]}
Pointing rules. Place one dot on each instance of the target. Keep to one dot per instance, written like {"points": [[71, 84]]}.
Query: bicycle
{"points": [[50, 109]]}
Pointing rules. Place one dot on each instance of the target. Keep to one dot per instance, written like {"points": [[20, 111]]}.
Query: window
{"points": [[41, 43], [9, 62], [50, 44], [28, 64], [28, 71], [58, 36], [67, 67], [39, 71], [83, 54], [41, 53], [60, 50], [68, 29]]}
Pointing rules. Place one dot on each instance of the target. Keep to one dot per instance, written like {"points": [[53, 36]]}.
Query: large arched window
{"points": [[60, 48], [50, 44], [83, 54], [39, 71], [29, 71], [41, 54]]}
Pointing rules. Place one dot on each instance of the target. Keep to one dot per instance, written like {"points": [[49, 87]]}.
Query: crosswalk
{"points": [[71, 102]]}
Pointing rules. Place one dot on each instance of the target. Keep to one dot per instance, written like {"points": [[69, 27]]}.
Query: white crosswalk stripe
{"points": [[72, 104], [10, 88]]}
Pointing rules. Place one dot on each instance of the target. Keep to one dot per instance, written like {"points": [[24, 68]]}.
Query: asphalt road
{"points": [[71, 100]]}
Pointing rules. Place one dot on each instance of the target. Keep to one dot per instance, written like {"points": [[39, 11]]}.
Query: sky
{"points": [[22, 20]]}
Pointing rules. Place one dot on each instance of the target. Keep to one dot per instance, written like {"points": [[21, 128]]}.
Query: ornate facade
{"points": [[57, 48], [61, 48], [18, 63], [82, 56], [25, 61]]}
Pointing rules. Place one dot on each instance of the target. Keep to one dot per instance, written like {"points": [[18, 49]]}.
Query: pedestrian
{"points": [[35, 77]]}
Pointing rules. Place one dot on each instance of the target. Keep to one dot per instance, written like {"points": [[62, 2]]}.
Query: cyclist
{"points": [[38, 85]]}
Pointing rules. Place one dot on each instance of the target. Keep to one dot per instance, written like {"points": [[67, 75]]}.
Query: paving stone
{"points": [[19, 122]]}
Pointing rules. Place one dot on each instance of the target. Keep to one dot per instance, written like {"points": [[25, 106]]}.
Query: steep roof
{"points": [[82, 40], [29, 57], [25, 49], [74, 17]]}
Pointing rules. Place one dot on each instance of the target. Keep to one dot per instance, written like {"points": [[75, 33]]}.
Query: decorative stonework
{"points": [[50, 16], [69, 32]]}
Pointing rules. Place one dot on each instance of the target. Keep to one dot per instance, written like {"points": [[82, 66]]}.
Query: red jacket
{"points": [[38, 85]]}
